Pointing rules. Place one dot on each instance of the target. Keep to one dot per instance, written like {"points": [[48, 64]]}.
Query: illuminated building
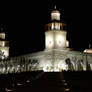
{"points": [[57, 55], [4, 46]]}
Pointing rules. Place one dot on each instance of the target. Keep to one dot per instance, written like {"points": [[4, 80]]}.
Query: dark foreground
{"points": [[47, 82]]}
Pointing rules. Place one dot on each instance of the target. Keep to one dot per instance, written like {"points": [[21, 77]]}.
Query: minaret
{"points": [[55, 35], [89, 50], [4, 46]]}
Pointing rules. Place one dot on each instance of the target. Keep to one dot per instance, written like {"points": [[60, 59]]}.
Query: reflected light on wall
{"points": [[67, 43], [49, 42], [60, 40], [88, 51]]}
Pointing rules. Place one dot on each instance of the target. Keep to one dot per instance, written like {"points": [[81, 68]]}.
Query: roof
{"points": [[55, 11]]}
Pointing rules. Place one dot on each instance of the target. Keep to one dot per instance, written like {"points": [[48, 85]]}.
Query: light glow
{"points": [[60, 40], [49, 41], [67, 43], [88, 51], [2, 35]]}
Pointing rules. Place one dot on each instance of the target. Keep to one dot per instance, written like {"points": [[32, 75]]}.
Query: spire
{"points": [[89, 46], [55, 7]]}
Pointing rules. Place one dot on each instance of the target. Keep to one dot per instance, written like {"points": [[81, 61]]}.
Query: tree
{"points": [[80, 67], [70, 65]]}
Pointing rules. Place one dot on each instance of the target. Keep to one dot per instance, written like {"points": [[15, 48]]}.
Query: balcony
{"points": [[56, 26], [4, 43]]}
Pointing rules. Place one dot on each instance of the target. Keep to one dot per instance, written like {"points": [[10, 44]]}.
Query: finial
{"points": [[55, 7]]}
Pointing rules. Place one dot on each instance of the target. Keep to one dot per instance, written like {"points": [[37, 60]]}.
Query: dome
{"points": [[55, 11], [88, 51], [55, 14]]}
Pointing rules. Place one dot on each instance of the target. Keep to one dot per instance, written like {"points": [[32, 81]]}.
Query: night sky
{"points": [[24, 23]]}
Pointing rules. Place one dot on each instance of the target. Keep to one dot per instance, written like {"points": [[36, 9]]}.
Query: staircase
{"points": [[47, 82]]}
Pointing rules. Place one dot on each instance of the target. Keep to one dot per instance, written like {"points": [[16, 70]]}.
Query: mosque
{"points": [[56, 57]]}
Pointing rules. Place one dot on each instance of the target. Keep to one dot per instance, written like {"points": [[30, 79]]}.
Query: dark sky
{"points": [[24, 23]]}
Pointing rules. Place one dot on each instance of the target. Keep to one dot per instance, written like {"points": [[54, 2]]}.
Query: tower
{"points": [[4, 46], [55, 35]]}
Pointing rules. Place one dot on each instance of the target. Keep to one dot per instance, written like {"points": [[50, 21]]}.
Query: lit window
{"points": [[57, 26]]}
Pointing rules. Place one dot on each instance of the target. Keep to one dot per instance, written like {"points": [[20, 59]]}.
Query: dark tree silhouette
{"points": [[70, 65]]}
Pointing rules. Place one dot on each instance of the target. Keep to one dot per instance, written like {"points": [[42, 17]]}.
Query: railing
{"points": [[18, 65], [4, 43]]}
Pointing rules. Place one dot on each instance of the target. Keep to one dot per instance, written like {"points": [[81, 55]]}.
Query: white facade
{"points": [[4, 47], [55, 39]]}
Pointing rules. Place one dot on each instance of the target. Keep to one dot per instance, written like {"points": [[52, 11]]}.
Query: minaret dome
{"points": [[55, 14], [55, 33]]}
